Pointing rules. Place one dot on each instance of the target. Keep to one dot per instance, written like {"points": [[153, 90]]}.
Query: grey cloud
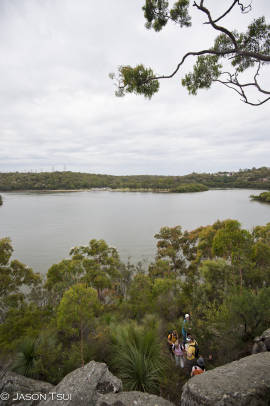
{"points": [[57, 105]]}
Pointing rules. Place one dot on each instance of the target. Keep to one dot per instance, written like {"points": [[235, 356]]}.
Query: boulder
{"points": [[258, 346], [266, 338], [84, 386], [91, 385], [262, 343], [241, 383], [132, 399], [27, 391]]}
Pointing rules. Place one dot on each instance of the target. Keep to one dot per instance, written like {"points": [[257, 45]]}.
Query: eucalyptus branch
{"points": [[243, 49], [213, 24], [244, 9], [198, 53], [233, 83]]}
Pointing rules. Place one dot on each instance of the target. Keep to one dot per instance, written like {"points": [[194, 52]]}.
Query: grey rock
{"points": [[132, 399], [262, 343], [84, 386], [241, 383], [91, 385], [266, 338], [258, 346], [14, 386]]}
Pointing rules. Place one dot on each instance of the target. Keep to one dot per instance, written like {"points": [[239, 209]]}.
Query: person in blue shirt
{"points": [[185, 327]]}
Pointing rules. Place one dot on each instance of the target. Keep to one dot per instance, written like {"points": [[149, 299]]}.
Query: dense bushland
{"points": [[93, 306], [247, 178]]}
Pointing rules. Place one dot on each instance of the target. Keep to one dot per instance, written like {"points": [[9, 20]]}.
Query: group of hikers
{"points": [[186, 351]]}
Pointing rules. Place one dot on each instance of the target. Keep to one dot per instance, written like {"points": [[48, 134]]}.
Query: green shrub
{"points": [[137, 358]]}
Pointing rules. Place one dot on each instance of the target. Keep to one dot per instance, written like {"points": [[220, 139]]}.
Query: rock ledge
{"points": [[241, 383]]}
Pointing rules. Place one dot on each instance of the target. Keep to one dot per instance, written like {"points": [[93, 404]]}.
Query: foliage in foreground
{"points": [[137, 357], [24, 363], [86, 306], [223, 62]]}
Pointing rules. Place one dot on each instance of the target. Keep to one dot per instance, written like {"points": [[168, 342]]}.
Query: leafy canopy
{"points": [[223, 62]]}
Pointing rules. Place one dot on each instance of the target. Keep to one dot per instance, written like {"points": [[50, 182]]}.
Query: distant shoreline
{"points": [[60, 182], [141, 190], [89, 190]]}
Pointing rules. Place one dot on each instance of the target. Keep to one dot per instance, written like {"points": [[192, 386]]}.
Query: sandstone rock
{"points": [[266, 338], [92, 385], [84, 386], [258, 346], [262, 343], [14, 386], [132, 399], [241, 383]]}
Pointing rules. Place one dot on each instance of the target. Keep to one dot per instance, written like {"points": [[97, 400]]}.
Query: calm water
{"points": [[44, 226]]}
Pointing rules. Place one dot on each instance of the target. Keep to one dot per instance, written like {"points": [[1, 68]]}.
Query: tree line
{"points": [[246, 178], [91, 305]]}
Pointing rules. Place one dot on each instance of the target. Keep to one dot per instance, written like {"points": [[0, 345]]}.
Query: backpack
{"points": [[178, 350], [197, 351]]}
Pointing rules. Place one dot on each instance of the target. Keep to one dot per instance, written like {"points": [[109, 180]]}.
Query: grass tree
{"points": [[137, 358], [25, 359]]}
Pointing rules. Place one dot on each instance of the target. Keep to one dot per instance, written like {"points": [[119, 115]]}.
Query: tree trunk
{"points": [[82, 357], [241, 279]]}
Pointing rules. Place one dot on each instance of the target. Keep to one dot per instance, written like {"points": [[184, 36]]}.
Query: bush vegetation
{"points": [[262, 197], [93, 306], [244, 178]]}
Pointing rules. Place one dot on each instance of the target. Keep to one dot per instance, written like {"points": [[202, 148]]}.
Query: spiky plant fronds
{"points": [[137, 358], [25, 359]]}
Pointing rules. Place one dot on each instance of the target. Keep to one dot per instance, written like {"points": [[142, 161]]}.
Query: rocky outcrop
{"points": [[241, 383], [266, 337], [91, 385], [14, 386], [262, 343], [84, 386], [132, 399]]}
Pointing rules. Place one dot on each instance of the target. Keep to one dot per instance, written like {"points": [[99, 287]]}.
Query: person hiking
{"points": [[199, 368], [191, 348], [172, 338], [178, 350], [185, 327]]}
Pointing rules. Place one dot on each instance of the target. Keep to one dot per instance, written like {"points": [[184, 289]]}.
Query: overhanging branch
{"points": [[244, 9]]}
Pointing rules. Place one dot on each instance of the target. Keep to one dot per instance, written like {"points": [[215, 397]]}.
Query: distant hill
{"points": [[244, 178]]}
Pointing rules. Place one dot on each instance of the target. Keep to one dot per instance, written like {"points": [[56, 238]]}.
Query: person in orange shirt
{"points": [[199, 368]]}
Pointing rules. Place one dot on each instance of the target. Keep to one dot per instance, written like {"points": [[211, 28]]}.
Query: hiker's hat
{"points": [[200, 362]]}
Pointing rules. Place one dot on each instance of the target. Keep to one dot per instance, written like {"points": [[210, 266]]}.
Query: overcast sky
{"points": [[57, 104]]}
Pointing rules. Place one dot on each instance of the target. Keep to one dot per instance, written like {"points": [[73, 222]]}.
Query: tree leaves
{"points": [[205, 71], [245, 50], [138, 80]]}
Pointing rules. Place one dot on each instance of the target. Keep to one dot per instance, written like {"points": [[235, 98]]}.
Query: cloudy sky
{"points": [[58, 109]]}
